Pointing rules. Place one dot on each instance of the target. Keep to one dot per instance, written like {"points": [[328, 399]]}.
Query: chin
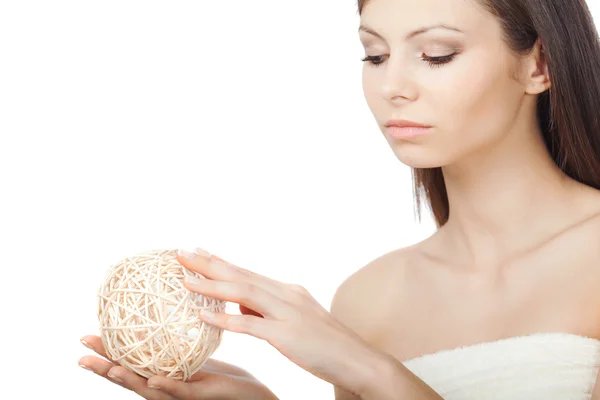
{"points": [[423, 160]]}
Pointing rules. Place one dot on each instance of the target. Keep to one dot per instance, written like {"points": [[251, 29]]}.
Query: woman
{"points": [[502, 302]]}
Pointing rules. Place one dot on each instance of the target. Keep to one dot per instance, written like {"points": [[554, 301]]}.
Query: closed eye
{"points": [[432, 61]]}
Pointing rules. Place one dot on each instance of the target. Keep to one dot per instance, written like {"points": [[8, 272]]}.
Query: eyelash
{"points": [[434, 62]]}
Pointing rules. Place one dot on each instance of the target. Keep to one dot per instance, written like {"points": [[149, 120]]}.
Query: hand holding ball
{"points": [[149, 322]]}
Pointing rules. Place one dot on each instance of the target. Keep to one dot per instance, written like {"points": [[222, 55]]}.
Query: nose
{"points": [[397, 84]]}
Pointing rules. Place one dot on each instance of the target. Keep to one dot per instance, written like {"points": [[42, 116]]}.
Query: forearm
{"points": [[391, 380]]}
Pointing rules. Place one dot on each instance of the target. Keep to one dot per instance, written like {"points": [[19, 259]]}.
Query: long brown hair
{"points": [[569, 112]]}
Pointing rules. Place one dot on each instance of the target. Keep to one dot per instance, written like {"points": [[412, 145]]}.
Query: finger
{"points": [[242, 293], [260, 328], [219, 269], [95, 343], [213, 267], [211, 386], [220, 367], [99, 367], [219, 258], [175, 388], [136, 383], [95, 364], [204, 263], [122, 377]]}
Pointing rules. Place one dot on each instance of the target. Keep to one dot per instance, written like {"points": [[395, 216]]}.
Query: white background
{"points": [[236, 126]]}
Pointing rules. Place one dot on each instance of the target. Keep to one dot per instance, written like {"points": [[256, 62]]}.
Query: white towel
{"points": [[548, 366]]}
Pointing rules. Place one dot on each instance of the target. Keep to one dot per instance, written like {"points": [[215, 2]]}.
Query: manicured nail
{"points": [[189, 254], [114, 378], [86, 367], [207, 313], [202, 253], [193, 280], [86, 344]]}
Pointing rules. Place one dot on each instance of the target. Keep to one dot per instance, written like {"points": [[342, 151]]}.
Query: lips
{"points": [[403, 129], [403, 123]]}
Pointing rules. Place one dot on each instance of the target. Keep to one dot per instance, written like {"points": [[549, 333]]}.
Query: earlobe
{"points": [[539, 84], [539, 78]]}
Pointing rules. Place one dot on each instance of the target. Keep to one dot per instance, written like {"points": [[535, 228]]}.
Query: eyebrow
{"points": [[412, 34]]}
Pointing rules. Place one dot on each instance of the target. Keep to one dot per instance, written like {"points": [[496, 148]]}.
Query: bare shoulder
{"points": [[589, 204], [364, 295], [583, 238]]}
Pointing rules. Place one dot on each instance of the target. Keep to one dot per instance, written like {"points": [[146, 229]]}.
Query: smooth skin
{"points": [[216, 379], [292, 321], [519, 253]]}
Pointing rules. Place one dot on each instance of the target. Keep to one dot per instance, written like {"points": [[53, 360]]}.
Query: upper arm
{"points": [[353, 305], [341, 394], [341, 307], [595, 392]]}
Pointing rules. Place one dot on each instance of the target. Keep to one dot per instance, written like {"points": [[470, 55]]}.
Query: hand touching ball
{"points": [[149, 322]]}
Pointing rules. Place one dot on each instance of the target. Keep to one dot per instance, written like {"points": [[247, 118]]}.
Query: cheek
{"points": [[472, 103], [370, 90], [476, 101]]}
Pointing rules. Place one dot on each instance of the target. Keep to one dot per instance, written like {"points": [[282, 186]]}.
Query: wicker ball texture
{"points": [[149, 322]]}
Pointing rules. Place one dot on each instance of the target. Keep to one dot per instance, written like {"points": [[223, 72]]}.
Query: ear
{"points": [[536, 70]]}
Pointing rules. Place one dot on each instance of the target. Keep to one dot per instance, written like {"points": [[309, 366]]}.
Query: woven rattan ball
{"points": [[149, 322]]}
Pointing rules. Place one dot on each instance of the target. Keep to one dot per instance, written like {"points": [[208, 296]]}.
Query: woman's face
{"points": [[469, 96]]}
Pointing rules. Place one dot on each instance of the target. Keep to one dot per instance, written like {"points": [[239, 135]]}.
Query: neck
{"points": [[506, 200]]}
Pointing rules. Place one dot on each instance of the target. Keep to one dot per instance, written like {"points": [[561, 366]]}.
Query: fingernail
{"points": [[202, 252], [207, 313], [193, 280], [86, 367], [154, 387], [188, 254], [86, 344], [115, 378]]}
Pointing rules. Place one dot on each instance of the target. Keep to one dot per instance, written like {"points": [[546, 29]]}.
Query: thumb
{"points": [[175, 388]]}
